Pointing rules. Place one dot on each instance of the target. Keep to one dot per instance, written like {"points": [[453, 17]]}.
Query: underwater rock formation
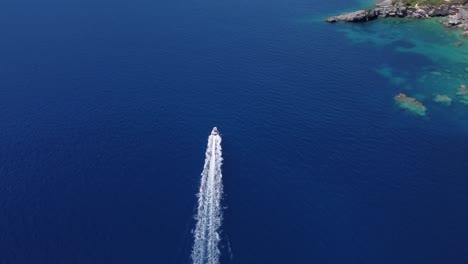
{"points": [[443, 99], [410, 104], [462, 95]]}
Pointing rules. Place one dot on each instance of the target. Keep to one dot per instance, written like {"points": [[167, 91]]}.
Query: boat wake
{"points": [[209, 215]]}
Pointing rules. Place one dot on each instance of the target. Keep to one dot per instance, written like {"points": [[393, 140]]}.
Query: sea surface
{"points": [[106, 107]]}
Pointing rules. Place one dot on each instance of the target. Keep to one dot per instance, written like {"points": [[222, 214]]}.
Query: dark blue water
{"points": [[106, 106]]}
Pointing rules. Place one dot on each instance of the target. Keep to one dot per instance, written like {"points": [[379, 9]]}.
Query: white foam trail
{"points": [[209, 216]]}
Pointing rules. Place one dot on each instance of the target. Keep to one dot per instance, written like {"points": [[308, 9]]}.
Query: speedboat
{"points": [[214, 132]]}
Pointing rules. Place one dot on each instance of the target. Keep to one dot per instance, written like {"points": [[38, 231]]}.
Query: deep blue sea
{"points": [[106, 107]]}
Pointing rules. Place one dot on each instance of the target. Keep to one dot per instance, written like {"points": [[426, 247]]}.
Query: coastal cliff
{"points": [[456, 11]]}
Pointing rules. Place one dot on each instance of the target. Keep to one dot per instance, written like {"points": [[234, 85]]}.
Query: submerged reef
{"points": [[442, 54], [414, 32], [443, 99], [462, 95], [410, 104]]}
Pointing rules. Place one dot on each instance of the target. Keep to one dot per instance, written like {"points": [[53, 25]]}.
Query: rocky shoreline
{"points": [[457, 13]]}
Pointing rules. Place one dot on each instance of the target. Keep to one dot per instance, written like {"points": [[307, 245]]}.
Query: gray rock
{"points": [[418, 13], [463, 26], [358, 16], [463, 14], [391, 11], [453, 20], [465, 34], [439, 11]]}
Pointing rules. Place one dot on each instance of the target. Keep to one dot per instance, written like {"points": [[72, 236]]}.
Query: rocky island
{"points": [[455, 10]]}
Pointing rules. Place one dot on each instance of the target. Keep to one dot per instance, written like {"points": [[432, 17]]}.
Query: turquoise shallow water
{"points": [[424, 60]]}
